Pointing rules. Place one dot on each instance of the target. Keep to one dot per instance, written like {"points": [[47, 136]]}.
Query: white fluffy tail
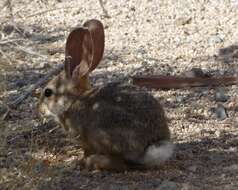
{"points": [[157, 154]]}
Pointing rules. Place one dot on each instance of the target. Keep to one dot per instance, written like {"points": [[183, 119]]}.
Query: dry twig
{"points": [[49, 10], [40, 83], [4, 111], [28, 51], [9, 6], [6, 41], [6, 57], [103, 9]]}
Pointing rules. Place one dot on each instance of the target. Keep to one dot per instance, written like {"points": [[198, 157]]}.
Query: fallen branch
{"points": [[40, 83], [169, 82]]}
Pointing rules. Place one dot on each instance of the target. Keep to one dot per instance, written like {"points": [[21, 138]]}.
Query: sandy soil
{"points": [[142, 37]]}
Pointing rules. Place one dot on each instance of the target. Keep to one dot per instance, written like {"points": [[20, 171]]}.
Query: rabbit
{"points": [[120, 126]]}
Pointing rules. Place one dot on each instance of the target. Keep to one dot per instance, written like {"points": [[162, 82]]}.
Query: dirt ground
{"points": [[142, 37]]}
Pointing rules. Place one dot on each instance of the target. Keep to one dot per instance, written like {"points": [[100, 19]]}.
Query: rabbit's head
{"points": [[84, 51]]}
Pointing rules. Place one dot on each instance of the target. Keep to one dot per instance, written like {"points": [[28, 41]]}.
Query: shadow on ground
{"points": [[217, 155]]}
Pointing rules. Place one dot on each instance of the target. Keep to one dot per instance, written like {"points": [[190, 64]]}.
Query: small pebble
{"points": [[194, 72], [197, 130], [168, 185], [215, 39], [20, 83], [221, 112], [187, 186], [205, 92], [218, 134], [154, 182], [236, 109], [220, 96], [8, 28], [179, 99], [192, 168], [183, 21], [206, 113]]}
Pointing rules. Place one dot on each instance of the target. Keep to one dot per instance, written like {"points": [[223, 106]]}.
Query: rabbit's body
{"points": [[117, 120], [120, 126]]}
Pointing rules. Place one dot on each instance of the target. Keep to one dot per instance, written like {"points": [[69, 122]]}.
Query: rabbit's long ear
{"points": [[78, 53], [84, 51], [96, 30]]}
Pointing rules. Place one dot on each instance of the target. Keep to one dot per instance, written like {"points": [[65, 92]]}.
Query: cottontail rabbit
{"points": [[120, 126]]}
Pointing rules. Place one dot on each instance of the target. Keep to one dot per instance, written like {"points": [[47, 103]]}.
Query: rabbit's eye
{"points": [[48, 92]]}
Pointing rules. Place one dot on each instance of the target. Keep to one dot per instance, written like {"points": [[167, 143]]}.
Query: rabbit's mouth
{"points": [[44, 111], [46, 114]]}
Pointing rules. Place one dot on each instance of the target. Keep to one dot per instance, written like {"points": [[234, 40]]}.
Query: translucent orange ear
{"points": [[84, 49], [78, 53], [96, 30]]}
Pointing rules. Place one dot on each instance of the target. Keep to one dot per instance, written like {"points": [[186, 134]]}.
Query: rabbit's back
{"points": [[134, 101]]}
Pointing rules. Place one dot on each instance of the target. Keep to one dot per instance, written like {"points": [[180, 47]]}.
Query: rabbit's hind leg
{"points": [[105, 162]]}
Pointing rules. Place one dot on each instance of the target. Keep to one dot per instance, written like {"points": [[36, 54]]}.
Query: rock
{"points": [[204, 92], [221, 112], [8, 29], [194, 72], [220, 96], [192, 168], [168, 185], [215, 39], [20, 83], [154, 183], [179, 99]]}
